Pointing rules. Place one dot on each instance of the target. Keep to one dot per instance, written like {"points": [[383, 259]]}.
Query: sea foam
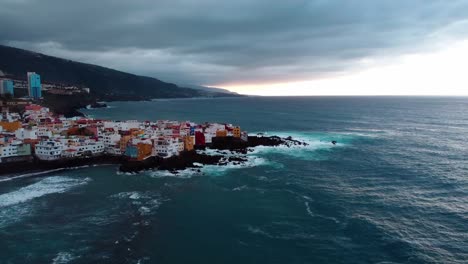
{"points": [[50, 185], [316, 142], [257, 155], [63, 257], [146, 202]]}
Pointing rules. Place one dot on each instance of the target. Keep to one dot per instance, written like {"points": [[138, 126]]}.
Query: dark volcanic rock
{"points": [[185, 160], [98, 105], [236, 144]]}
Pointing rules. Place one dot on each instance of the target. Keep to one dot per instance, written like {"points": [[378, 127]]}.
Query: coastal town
{"points": [[36, 133], [40, 133], [34, 137]]}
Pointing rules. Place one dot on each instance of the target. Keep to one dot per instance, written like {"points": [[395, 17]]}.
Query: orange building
{"points": [[10, 126], [221, 133], [236, 132], [188, 143], [135, 132], [144, 151]]}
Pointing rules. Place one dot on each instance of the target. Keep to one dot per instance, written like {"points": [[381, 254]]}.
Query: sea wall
{"points": [[37, 165]]}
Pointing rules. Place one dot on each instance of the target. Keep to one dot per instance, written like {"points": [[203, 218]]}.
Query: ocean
{"points": [[393, 190]]}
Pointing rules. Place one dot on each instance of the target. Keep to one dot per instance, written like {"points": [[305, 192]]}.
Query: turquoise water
{"points": [[394, 190]]}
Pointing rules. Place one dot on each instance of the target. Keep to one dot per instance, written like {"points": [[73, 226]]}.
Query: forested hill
{"points": [[105, 83]]}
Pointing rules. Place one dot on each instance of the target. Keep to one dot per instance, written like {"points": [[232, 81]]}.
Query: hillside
{"points": [[105, 84], [208, 89]]}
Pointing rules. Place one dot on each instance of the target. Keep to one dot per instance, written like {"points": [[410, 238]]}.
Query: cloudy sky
{"points": [[293, 47]]}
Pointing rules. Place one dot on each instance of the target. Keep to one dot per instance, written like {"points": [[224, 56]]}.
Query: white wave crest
{"points": [[50, 185], [315, 142], [213, 170], [183, 174], [256, 156], [63, 257], [309, 212], [252, 161], [147, 202]]}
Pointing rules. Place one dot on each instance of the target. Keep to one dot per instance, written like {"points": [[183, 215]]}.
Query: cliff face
{"points": [[105, 83]]}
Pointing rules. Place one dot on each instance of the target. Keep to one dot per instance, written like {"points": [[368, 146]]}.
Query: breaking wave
{"points": [[215, 170], [257, 156], [146, 202], [50, 185], [16, 205], [63, 257], [317, 143]]}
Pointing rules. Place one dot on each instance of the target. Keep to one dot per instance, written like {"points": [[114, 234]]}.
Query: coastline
{"points": [[186, 159], [37, 166]]}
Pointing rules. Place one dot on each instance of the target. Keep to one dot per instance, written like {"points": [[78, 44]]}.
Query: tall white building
{"points": [[167, 147], [49, 150], [26, 133]]}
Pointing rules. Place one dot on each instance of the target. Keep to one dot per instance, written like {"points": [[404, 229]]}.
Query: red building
{"points": [[199, 139]]}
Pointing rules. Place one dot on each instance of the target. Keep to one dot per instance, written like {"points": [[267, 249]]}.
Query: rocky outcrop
{"points": [[236, 144]]}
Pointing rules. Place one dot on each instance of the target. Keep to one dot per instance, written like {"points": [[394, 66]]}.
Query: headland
{"points": [[36, 139]]}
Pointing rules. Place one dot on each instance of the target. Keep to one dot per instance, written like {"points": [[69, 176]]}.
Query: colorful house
{"points": [[144, 151], [34, 85], [131, 151], [199, 139], [124, 141], [10, 126], [189, 142], [236, 132], [221, 133], [6, 87]]}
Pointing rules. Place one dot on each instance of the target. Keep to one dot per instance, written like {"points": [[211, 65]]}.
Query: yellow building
{"points": [[236, 132], [123, 142], [188, 143], [136, 132], [144, 150], [10, 126]]}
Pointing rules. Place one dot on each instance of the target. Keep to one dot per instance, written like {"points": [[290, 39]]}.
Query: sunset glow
{"points": [[443, 72]]}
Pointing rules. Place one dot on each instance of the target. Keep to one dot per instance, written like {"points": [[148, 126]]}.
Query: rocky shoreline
{"points": [[187, 159]]}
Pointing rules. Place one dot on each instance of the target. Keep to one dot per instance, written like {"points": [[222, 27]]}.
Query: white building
{"points": [[43, 131], [166, 147], [49, 150], [210, 131], [8, 151], [113, 150], [89, 148], [66, 123], [26, 133], [111, 143], [111, 139], [123, 126], [180, 146]]}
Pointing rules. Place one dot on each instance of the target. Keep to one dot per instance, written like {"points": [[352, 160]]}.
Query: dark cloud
{"points": [[210, 42]]}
